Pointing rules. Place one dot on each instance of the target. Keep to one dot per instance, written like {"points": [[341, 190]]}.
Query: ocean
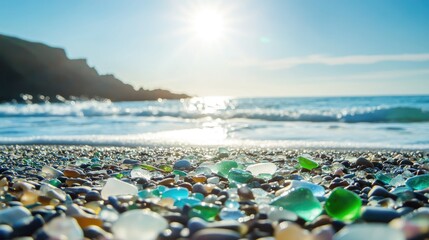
{"points": [[387, 122]]}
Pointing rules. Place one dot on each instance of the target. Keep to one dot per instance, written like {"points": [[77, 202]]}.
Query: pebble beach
{"points": [[87, 192]]}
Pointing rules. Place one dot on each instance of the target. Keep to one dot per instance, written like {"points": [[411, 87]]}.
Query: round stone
{"points": [[290, 230], [215, 234], [373, 231], [183, 164], [379, 214]]}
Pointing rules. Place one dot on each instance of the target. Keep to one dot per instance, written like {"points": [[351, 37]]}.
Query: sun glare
{"points": [[208, 25]]}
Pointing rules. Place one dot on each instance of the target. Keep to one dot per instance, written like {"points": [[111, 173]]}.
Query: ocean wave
{"points": [[95, 108]]}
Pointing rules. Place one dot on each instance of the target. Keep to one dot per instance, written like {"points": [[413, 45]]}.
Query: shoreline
{"points": [[229, 146]]}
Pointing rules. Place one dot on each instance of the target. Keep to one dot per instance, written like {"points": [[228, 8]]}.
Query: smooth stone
{"points": [[245, 193], [379, 214], [13, 214], [63, 228], [289, 230], [95, 232], [372, 231], [239, 175], [115, 187], [93, 196], [262, 168], [176, 193], [73, 173], [381, 192], [343, 204], [228, 224], [5, 231], [28, 227], [307, 162], [216, 234], [317, 190], [301, 201], [139, 225], [131, 162], [195, 224], [364, 162], [230, 214], [183, 164], [326, 232], [419, 182]]}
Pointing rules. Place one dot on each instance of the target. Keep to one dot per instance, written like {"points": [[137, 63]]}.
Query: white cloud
{"points": [[285, 63]]}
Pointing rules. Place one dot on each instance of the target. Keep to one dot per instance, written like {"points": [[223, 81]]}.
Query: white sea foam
{"points": [[367, 122]]}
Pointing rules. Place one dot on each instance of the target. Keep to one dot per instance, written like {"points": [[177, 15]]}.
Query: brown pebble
{"points": [[186, 185], [364, 162], [168, 182], [319, 221], [73, 173], [245, 194]]}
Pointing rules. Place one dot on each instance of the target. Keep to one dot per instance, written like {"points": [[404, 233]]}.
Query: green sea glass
{"points": [[166, 168], [300, 201], [239, 175], [148, 167], [419, 182], [180, 173], [55, 182], [223, 152], [343, 204], [205, 211], [383, 178], [306, 161], [223, 167]]}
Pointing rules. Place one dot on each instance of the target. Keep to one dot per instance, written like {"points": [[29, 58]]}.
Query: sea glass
{"points": [[204, 211], [343, 204], [139, 225], [418, 182], [306, 161], [223, 167], [239, 175], [301, 201], [262, 168], [114, 187], [176, 193]]}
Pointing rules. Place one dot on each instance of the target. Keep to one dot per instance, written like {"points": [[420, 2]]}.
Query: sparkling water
{"points": [[340, 122]]}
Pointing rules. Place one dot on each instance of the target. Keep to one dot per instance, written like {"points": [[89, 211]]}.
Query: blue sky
{"points": [[267, 48]]}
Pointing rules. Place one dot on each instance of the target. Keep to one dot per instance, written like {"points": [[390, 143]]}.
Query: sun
{"points": [[208, 25]]}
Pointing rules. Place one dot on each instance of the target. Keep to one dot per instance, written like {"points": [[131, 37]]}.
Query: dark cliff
{"points": [[37, 69]]}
